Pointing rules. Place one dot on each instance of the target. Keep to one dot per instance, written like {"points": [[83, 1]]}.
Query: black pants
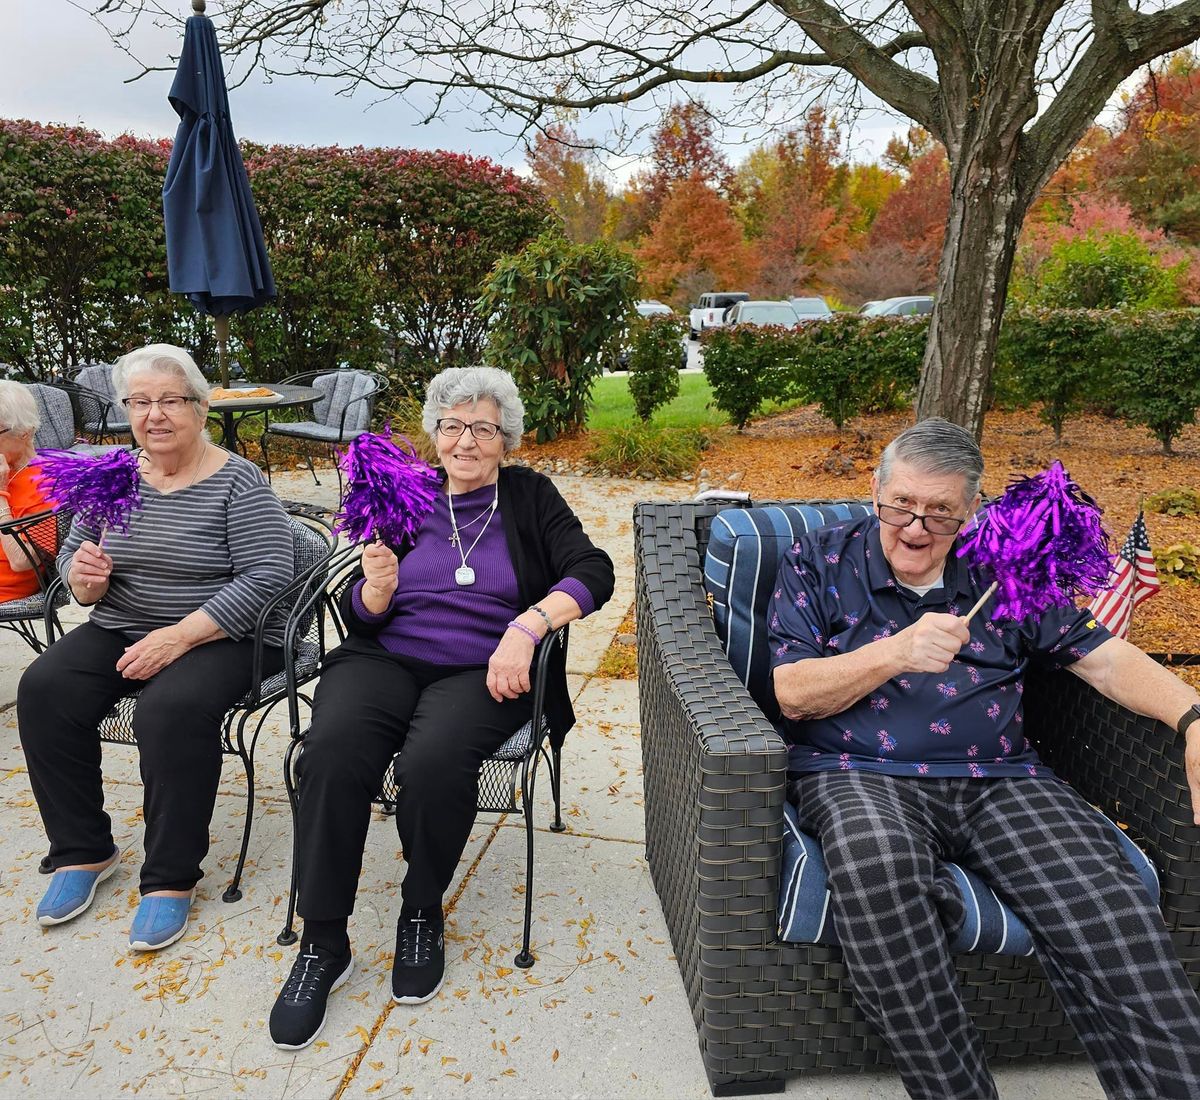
{"points": [[368, 706], [61, 699], [1045, 851]]}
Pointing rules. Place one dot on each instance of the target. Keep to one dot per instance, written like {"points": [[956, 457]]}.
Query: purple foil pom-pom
{"points": [[389, 490], [101, 489], [1043, 544]]}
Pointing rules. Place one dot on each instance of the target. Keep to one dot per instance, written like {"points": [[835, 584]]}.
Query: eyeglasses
{"points": [[172, 406], [452, 428], [902, 517]]}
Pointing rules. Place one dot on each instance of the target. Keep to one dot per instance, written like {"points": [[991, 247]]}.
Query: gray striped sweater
{"points": [[223, 545]]}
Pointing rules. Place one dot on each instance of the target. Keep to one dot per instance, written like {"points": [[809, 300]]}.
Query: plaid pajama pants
{"points": [[1043, 849]]}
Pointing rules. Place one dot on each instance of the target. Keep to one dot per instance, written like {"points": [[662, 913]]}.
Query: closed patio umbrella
{"points": [[215, 250]]}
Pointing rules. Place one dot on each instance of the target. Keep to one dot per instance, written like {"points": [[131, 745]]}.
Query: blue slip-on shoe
{"points": [[159, 922], [71, 892]]}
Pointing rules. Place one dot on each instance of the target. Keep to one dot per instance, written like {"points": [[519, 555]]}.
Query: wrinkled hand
{"points": [[1191, 762], [379, 567], [150, 655], [932, 642], [5, 472], [508, 668], [90, 565]]}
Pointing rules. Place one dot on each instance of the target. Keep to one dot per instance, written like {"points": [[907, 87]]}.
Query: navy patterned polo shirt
{"points": [[836, 592]]}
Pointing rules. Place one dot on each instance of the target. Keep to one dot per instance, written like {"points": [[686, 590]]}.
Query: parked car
{"points": [[763, 313], [866, 308], [811, 309], [710, 310], [915, 305], [649, 307]]}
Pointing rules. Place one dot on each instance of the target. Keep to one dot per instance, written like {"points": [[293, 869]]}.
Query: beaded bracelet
{"points": [[549, 624], [525, 630]]}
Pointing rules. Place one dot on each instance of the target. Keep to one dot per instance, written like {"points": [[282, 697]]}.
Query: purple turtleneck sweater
{"points": [[438, 621]]}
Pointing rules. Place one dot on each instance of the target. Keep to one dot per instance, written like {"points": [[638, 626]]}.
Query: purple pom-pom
{"points": [[1043, 544], [389, 490], [103, 490]]}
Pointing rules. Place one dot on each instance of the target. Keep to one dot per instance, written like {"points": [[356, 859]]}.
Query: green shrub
{"points": [[1178, 563], [1055, 357], [1174, 502], [654, 363], [645, 451], [555, 310], [1154, 370], [851, 365], [1109, 271], [745, 366]]}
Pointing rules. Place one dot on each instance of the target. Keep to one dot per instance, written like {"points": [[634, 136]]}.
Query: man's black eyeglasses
{"points": [[902, 517]]}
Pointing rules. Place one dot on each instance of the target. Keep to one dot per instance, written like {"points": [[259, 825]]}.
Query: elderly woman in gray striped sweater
{"points": [[174, 601]]}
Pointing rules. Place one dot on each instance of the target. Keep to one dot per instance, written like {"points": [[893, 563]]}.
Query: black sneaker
{"points": [[299, 1012], [420, 964]]}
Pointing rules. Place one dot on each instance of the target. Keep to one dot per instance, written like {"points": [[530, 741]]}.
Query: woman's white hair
{"points": [[470, 385], [161, 359], [18, 409]]}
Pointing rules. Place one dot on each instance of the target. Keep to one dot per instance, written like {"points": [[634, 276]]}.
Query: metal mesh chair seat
{"points": [[40, 537], [510, 771], [298, 609], [716, 775]]}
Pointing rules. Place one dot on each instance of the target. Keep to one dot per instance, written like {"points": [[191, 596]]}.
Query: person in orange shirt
{"points": [[20, 489]]}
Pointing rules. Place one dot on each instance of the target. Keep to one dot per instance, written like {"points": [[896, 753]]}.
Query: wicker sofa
{"points": [[715, 772]]}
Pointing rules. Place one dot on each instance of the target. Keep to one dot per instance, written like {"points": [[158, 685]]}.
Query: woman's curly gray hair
{"points": [[162, 359], [468, 386]]}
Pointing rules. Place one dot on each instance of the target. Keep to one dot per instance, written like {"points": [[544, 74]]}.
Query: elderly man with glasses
{"points": [[906, 748], [442, 636]]}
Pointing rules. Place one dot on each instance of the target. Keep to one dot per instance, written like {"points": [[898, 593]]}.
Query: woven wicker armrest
{"points": [[1132, 768], [714, 768]]}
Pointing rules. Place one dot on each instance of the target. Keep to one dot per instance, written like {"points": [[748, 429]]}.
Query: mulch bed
{"points": [[798, 453]]}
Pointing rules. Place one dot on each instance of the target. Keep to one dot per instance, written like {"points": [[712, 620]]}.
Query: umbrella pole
{"points": [[221, 324]]}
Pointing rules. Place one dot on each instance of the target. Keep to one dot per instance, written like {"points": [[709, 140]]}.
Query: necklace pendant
{"points": [[454, 538], [464, 575]]}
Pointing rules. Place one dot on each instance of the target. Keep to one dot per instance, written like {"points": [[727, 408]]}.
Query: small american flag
{"points": [[1133, 579]]}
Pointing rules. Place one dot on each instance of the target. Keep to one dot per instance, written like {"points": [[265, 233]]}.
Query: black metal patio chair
{"points": [[300, 607], [341, 415], [60, 409], [102, 414], [510, 771], [39, 536], [715, 778]]}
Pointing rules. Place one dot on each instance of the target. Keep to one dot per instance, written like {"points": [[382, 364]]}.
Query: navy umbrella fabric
{"points": [[215, 250]]}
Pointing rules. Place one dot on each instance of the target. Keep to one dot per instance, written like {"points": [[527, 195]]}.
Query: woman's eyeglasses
{"points": [[452, 428], [935, 525], [170, 405]]}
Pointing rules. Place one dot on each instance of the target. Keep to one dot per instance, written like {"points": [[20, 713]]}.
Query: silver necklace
{"points": [[456, 532], [465, 575]]}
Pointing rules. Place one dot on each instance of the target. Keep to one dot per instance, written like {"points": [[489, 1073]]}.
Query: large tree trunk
{"points": [[986, 211]]}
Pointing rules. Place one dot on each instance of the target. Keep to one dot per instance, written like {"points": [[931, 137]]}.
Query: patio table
{"points": [[232, 409]]}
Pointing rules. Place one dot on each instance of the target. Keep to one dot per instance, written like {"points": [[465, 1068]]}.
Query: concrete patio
{"points": [[602, 1013]]}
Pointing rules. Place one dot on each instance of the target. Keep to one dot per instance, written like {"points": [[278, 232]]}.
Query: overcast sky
{"points": [[57, 65]]}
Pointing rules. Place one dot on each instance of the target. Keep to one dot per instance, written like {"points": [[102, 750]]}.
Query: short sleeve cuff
{"points": [[578, 591], [361, 611]]}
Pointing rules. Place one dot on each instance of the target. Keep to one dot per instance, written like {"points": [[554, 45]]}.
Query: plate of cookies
{"points": [[232, 394]]}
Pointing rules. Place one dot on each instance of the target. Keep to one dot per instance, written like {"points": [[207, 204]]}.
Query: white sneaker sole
{"points": [[421, 1000], [142, 945], [321, 1026], [108, 872]]}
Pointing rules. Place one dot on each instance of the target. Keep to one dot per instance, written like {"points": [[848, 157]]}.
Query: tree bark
{"points": [[986, 211]]}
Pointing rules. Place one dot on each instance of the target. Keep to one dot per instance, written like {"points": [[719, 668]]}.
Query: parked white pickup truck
{"points": [[709, 311]]}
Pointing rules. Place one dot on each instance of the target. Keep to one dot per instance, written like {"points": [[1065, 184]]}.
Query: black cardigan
{"points": [[547, 544]]}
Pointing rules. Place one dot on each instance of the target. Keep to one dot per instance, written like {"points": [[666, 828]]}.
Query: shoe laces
{"points": [[304, 980], [417, 934]]}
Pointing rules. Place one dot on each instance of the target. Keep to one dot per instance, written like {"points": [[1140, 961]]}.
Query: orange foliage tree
{"points": [[694, 244]]}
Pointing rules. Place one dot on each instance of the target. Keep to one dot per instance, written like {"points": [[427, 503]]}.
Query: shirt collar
{"points": [[956, 578]]}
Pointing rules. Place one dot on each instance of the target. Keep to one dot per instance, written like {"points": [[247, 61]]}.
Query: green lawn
{"points": [[612, 407]]}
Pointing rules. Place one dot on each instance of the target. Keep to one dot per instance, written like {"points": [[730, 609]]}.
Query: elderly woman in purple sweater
{"points": [[437, 664]]}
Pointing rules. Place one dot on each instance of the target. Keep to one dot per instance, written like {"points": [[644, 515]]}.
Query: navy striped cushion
{"points": [[745, 547], [990, 927]]}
